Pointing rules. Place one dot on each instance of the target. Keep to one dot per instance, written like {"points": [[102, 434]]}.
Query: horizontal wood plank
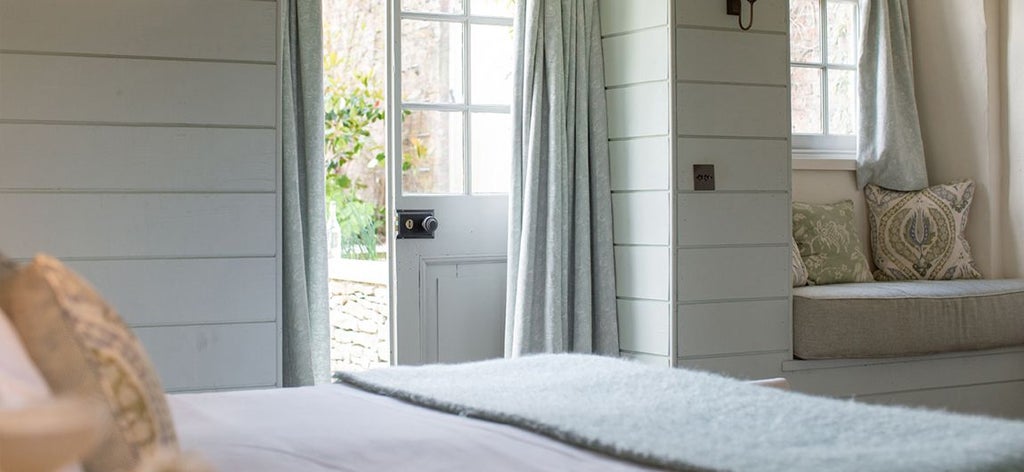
{"points": [[638, 110], [733, 110], [738, 58], [708, 218], [642, 272], [642, 56], [640, 164], [644, 326], [746, 367], [733, 327], [618, 16], [641, 218], [771, 15], [742, 164], [729, 273]]}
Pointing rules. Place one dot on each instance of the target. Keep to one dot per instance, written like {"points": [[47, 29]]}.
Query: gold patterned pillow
{"points": [[82, 348], [920, 235], [829, 246]]}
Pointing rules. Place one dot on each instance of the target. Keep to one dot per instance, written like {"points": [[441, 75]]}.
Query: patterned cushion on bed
{"points": [[82, 348], [798, 271], [829, 246], [920, 235]]}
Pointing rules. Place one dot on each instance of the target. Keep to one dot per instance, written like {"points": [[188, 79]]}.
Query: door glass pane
{"points": [[491, 64], [504, 8], [432, 62], [805, 31], [842, 32], [806, 99], [433, 6], [491, 153], [842, 102], [432, 152]]}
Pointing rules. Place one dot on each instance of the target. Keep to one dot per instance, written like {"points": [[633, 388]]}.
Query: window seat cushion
{"points": [[894, 319]]}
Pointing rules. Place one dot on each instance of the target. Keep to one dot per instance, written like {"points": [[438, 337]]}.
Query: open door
{"points": [[450, 69]]}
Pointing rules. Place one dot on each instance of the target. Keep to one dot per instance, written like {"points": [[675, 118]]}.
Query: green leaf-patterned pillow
{"points": [[920, 235], [829, 246]]}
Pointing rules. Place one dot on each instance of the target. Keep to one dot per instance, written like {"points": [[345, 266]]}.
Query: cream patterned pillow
{"points": [[827, 238], [799, 271], [920, 235], [83, 348]]}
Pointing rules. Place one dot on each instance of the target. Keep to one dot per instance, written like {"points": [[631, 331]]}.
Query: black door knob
{"points": [[429, 224]]}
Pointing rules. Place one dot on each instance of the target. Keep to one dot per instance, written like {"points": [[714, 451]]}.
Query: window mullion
{"points": [[467, 171], [823, 11]]}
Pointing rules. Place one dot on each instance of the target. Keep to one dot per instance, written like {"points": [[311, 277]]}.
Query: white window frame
{"points": [[824, 145], [466, 108]]}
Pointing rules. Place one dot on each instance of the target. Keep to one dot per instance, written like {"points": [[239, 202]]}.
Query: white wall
{"points": [[139, 144], [1012, 38]]}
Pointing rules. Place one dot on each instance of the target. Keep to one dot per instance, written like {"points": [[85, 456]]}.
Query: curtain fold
{"points": [[305, 330], [561, 270], [890, 152]]}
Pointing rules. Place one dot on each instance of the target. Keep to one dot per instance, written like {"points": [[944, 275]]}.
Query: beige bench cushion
{"points": [[892, 319]]}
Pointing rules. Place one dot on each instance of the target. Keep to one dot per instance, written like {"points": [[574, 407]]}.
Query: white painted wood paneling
{"points": [[186, 291], [707, 218], [648, 359], [642, 272], [638, 110], [748, 367], [636, 57], [740, 164], [644, 326], [641, 218], [734, 273], [1004, 399], [769, 15], [733, 327], [213, 356], [751, 58], [137, 158], [471, 331], [91, 89], [139, 225], [733, 110], [225, 29], [640, 164], [618, 16]]}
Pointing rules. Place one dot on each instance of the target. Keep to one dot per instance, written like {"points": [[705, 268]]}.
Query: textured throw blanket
{"points": [[687, 420]]}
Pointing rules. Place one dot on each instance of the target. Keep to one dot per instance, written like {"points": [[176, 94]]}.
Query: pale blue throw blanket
{"points": [[687, 420]]}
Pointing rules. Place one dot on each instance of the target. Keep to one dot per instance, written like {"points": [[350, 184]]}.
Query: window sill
{"points": [[808, 161]]}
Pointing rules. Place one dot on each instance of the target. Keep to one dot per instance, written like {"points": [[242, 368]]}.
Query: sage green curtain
{"points": [[890, 151], [561, 270], [306, 329]]}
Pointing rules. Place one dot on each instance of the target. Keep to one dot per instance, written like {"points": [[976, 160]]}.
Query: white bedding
{"points": [[339, 428]]}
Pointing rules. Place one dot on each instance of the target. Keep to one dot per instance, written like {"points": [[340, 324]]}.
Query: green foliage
{"points": [[360, 221]]}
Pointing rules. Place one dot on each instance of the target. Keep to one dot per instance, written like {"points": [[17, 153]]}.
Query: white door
{"points": [[450, 68]]}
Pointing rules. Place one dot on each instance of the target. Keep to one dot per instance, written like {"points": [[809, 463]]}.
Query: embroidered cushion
{"points": [[920, 235], [829, 246], [82, 348], [799, 271]]}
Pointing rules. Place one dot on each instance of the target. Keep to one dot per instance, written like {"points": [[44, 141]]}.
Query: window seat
{"points": [[897, 319]]}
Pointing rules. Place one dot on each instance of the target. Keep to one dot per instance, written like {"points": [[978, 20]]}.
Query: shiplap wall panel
{"points": [[747, 367], [642, 56], [730, 273], [731, 110], [137, 158], [179, 292], [640, 164], [639, 218], [770, 15], [648, 359], [733, 327], [213, 356], [642, 272], [638, 110], [117, 90], [740, 164], [706, 218], [739, 58], [618, 16], [225, 29], [644, 326], [139, 225]]}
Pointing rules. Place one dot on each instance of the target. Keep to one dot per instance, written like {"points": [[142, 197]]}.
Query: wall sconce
{"points": [[735, 7]]}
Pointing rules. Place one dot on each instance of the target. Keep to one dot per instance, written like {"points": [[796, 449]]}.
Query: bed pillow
{"points": [[82, 348], [799, 270], [826, 236], [920, 235]]}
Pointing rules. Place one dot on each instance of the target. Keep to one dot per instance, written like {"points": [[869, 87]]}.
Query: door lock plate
{"points": [[415, 224]]}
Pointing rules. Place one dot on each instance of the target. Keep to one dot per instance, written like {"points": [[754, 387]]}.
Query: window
{"points": [[456, 90], [823, 69]]}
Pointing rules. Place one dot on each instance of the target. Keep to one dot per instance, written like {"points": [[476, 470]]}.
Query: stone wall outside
{"points": [[360, 332]]}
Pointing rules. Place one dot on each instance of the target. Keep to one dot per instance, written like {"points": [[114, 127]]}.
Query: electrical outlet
{"points": [[703, 177]]}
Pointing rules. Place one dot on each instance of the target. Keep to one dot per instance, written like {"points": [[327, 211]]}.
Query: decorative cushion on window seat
{"points": [[826, 236], [893, 319]]}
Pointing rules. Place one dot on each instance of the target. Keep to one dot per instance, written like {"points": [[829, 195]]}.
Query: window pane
{"points": [[433, 6], [432, 152], [805, 31], [491, 152], [432, 62], [492, 62], [506, 8], [842, 32], [842, 102], [806, 98]]}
